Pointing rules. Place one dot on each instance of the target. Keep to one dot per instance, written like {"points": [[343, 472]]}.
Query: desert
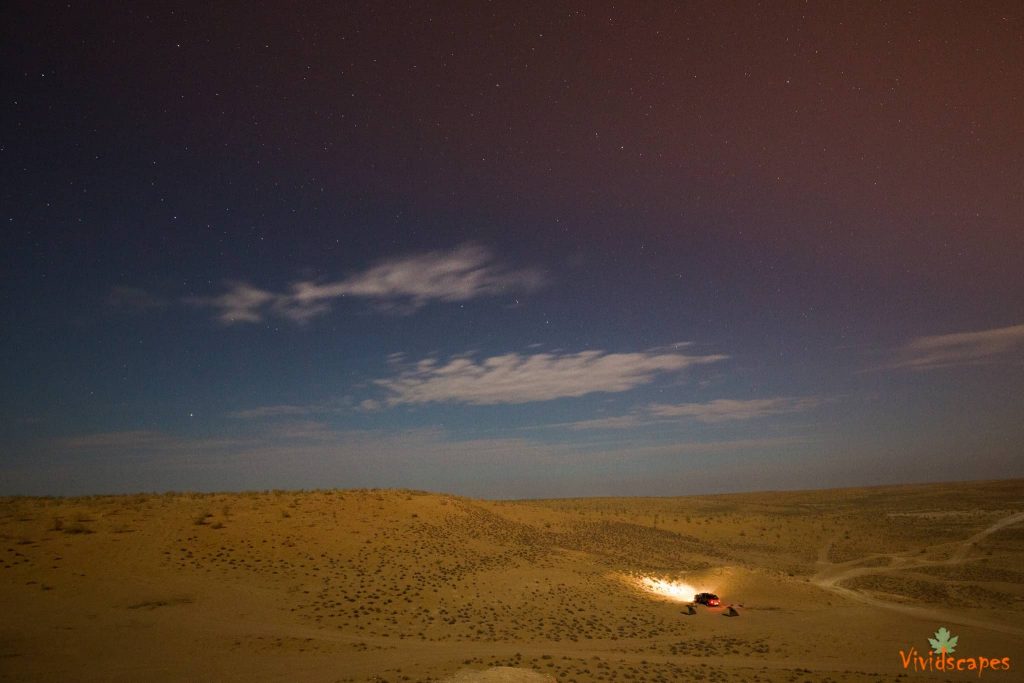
{"points": [[512, 342], [402, 585]]}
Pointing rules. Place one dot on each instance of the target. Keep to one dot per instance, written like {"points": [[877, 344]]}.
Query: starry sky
{"points": [[510, 249]]}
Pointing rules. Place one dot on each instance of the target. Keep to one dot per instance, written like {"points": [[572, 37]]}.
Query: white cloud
{"points": [[242, 303], [719, 410], [305, 431], [115, 440], [406, 283], [273, 411], [518, 378], [286, 410], [614, 422], [723, 409], [140, 442], [961, 348]]}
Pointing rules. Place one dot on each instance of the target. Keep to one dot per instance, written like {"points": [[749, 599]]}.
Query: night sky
{"points": [[511, 249]]}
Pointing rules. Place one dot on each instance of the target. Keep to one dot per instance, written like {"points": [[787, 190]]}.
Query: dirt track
{"points": [[830, 575]]}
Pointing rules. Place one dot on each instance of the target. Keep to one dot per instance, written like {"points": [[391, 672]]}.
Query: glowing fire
{"points": [[673, 590]]}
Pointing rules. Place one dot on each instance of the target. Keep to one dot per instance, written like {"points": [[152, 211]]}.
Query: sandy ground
{"points": [[390, 585]]}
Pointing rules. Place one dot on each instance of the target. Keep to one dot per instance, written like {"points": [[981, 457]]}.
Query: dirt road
{"points": [[831, 575]]}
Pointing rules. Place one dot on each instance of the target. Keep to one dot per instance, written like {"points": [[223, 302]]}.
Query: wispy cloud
{"points": [[961, 348], [306, 431], [724, 410], [242, 303], [139, 442], [629, 421], [719, 410], [115, 440], [519, 378], [406, 284], [262, 412]]}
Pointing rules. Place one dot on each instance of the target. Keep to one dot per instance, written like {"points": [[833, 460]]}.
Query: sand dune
{"points": [[392, 585]]}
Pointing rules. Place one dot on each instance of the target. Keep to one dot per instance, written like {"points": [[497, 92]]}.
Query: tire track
{"points": [[832, 574]]}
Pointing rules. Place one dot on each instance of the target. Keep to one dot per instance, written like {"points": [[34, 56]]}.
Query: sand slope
{"points": [[403, 585]]}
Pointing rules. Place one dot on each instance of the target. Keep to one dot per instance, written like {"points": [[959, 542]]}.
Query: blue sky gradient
{"points": [[511, 251]]}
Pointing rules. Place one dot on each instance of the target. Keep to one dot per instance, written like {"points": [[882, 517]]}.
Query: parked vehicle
{"points": [[709, 599]]}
